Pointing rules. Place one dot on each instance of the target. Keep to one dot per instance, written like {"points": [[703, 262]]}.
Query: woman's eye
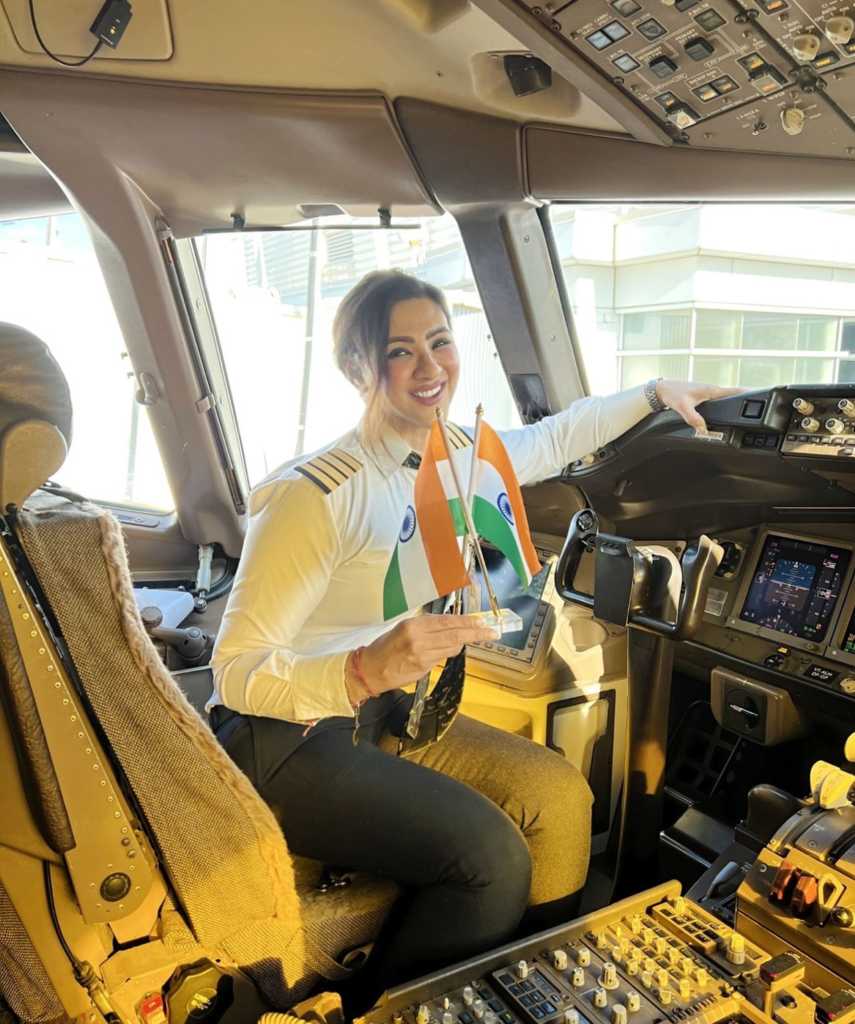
{"points": [[395, 352], [441, 341]]}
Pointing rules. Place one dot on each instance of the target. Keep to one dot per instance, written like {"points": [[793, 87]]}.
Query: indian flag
{"points": [[427, 562], [498, 510]]}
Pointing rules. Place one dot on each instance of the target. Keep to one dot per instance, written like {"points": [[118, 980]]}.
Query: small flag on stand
{"points": [[427, 562]]}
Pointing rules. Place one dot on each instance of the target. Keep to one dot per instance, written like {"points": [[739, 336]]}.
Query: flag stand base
{"points": [[507, 622]]}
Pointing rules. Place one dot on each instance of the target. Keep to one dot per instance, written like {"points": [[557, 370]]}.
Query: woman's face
{"points": [[422, 367]]}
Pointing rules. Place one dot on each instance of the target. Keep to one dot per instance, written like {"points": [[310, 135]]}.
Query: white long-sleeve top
{"points": [[321, 533]]}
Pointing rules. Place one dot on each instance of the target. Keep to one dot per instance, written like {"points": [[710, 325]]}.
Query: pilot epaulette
{"points": [[331, 469], [457, 437]]}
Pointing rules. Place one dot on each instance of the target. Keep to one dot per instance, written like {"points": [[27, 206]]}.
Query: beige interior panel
{"points": [[204, 154], [64, 27], [573, 166], [421, 48], [27, 188]]}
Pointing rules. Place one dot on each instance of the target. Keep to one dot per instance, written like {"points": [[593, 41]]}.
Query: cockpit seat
{"points": [[226, 885]]}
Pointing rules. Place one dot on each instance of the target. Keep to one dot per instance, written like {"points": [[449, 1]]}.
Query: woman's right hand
{"points": [[413, 647]]}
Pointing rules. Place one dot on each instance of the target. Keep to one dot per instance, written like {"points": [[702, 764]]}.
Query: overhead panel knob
{"points": [[805, 47], [662, 977], [559, 959], [633, 1002], [601, 998], [609, 978], [583, 957], [571, 1017], [665, 996], [835, 426], [803, 406], [618, 1014], [810, 424], [839, 30], [685, 988], [522, 970], [578, 977], [447, 1017], [702, 977], [478, 1008], [847, 407], [468, 996], [680, 905], [602, 940], [422, 1015], [647, 979], [632, 967], [792, 120]]}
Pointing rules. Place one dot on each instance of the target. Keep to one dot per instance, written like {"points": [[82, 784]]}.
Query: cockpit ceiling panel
{"points": [[201, 154], [771, 76]]}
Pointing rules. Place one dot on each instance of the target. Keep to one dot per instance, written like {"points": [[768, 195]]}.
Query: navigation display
{"points": [[795, 587]]}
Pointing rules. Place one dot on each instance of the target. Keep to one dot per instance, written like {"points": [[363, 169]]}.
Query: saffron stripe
{"points": [[492, 450]]}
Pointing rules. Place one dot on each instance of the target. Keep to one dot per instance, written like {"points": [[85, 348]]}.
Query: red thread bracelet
{"points": [[360, 675]]}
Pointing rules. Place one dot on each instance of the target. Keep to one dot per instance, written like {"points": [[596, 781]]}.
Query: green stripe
{"points": [[456, 510], [394, 598], [493, 527]]}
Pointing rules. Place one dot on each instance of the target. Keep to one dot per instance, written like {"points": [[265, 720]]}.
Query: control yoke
{"points": [[633, 584]]}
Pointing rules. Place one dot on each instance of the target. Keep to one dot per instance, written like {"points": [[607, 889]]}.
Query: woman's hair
{"points": [[361, 333]]}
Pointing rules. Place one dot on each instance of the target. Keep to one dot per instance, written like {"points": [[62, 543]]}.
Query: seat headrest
{"points": [[35, 414]]}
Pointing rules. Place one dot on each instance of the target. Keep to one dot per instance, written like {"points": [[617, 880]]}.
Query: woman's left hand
{"points": [[684, 397]]}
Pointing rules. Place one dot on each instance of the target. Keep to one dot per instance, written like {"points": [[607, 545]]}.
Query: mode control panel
{"points": [[821, 425]]}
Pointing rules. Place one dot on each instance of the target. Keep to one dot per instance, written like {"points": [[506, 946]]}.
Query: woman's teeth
{"points": [[428, 394]]}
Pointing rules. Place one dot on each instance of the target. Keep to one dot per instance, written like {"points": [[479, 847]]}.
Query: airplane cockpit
{"points": [[597, 196]]}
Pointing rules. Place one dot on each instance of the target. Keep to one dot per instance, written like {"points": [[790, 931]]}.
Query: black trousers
{"points": [[464, 861]]}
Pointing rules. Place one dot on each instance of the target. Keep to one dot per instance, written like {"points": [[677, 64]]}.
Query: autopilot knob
{"points": [[478, 1009], [468, 996], [702, 977], [803, 406], [583, 957], [609, 978], [633, 1002], [685, 988], [810, 424], [422, 1014], [601, 998], [618, 1014], [680, 905], [736, 949], [847, 407], [835, 426], [522, 970], [559, 959], [577, 979], [665, 996]]}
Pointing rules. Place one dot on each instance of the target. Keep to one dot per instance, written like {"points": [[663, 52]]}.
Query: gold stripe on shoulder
{"points": [[330, 470], [458, 438]]}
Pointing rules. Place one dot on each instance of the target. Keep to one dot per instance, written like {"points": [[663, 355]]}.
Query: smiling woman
{"points": [[309, 674], [394, 341]]}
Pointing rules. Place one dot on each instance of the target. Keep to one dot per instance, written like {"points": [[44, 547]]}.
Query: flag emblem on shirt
{"points": [[427, 562]]}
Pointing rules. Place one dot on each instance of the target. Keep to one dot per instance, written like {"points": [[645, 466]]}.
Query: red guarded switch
{"points": [[152, 1010], [785, 882], [805, 895]]}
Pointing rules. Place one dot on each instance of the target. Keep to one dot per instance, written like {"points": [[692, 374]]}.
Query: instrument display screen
{"points": [[510, 594], [795, 587], [847, 641]]}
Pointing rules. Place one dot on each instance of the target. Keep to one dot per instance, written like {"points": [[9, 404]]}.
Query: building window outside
{"points": [[51, 284], [724, 294], [274, 322]]}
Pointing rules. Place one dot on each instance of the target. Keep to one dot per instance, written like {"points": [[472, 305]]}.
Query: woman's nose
{"points": [[428, 365]]}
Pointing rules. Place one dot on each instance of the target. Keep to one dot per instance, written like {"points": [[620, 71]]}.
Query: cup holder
{"points": [[583, 634]]}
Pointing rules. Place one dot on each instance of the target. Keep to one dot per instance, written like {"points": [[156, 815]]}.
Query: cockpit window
{"points": [[733, 294], [274, 295], [51, 284]]}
